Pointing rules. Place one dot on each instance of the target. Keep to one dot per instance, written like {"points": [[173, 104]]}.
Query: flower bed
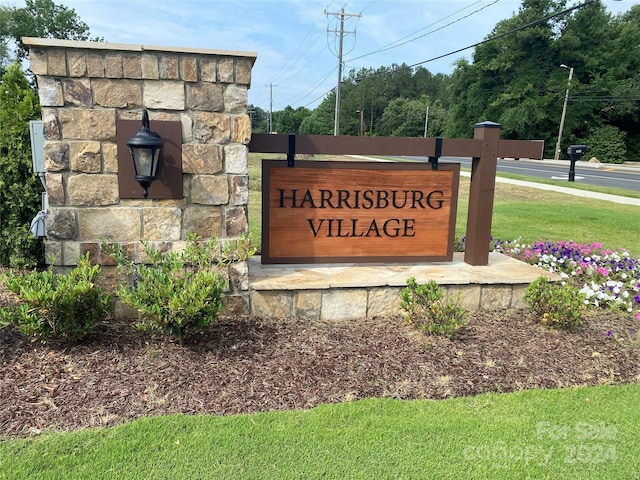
{"points": [[607, 278]]}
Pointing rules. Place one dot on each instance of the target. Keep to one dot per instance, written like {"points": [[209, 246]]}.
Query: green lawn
{"points": [[580, 433], [539, 214]]}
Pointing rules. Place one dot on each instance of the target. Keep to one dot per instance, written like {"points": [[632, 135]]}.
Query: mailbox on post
{"points": [[575, 153]]}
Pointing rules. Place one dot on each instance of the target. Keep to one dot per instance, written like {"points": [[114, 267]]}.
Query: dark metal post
{"points": [[575, 153], [572, 169], [437, 154], [291, 151]]}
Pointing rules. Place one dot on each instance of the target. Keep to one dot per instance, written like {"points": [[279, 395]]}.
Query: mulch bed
{"points": [[248, 365]]}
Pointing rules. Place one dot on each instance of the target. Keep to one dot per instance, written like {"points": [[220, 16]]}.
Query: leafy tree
{"points": [[510, 78], [404, 118], [515, 79], [466, 100], [606, 143], [38, 18], [289, 120], [370, 91], [5, 15], [616, 90], [259, 119], [20, 188], [321, 121]]}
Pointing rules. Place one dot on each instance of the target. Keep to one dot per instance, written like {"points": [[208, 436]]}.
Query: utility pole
{"points": [[270, 85], [341, 33], [426, 122], [564, 112]]}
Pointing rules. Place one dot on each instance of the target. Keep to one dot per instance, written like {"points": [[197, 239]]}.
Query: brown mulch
{"points": [[252, 364]]}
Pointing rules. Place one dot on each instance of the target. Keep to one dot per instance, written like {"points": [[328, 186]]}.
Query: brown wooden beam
{"points": [[481, 193], [344, 145], [533, 149]]}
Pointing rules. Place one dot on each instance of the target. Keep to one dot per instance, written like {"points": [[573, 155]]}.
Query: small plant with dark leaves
{"points": [[176, 293], [427, 309], [559, 305], [57, 305]]}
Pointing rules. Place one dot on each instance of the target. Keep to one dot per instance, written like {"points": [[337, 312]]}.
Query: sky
{"points": [[297, 41]]}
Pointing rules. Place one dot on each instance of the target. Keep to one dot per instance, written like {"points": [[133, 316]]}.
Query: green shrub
{"points": [[55, 305], [427, 310], [239, 250], [607, 144], [559, 305], [176, 293], [20, 188]]}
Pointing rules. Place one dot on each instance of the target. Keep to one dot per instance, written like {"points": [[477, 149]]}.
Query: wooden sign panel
{"points": [[317, 212]]}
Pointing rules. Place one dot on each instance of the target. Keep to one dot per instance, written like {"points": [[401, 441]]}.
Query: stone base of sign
{"points": [[348, 291]]}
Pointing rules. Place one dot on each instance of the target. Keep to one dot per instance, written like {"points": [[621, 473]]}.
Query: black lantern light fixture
{"points": [[145, 152]]}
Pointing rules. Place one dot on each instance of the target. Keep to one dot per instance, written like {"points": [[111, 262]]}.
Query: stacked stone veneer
{"points": [[84, 87]]}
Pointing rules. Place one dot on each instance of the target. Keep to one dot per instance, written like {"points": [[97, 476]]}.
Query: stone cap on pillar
{"points": [[487, 124], [80, 44]]}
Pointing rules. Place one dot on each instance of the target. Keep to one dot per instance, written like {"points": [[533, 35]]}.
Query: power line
{"points": [[496, 37], [396, 44], [293, 59], [510, 32], [603, 98], [313, 88]]}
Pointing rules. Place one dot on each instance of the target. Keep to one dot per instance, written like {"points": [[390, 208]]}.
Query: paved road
{"points": [[576, 192], [603, 175]]}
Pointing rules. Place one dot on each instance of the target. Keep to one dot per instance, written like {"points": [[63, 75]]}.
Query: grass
{"points": [[572, 433], [529, 213], [539, 214]]}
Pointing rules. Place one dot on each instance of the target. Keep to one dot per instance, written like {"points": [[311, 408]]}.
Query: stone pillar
{"points": [[84, 87]]}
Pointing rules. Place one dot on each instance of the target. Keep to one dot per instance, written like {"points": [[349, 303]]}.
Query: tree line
{"points": [[514, 78]]}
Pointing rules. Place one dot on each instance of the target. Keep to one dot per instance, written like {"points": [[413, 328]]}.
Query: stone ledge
{"points": [[348, 291], [120, 47], [502, 270]]}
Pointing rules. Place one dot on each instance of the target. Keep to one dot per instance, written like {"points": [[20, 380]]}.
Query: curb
{"points": [[581, 164]]}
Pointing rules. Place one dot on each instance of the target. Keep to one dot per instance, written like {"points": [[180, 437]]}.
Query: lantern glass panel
{"points": [[143, 158], [145, 161]]}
